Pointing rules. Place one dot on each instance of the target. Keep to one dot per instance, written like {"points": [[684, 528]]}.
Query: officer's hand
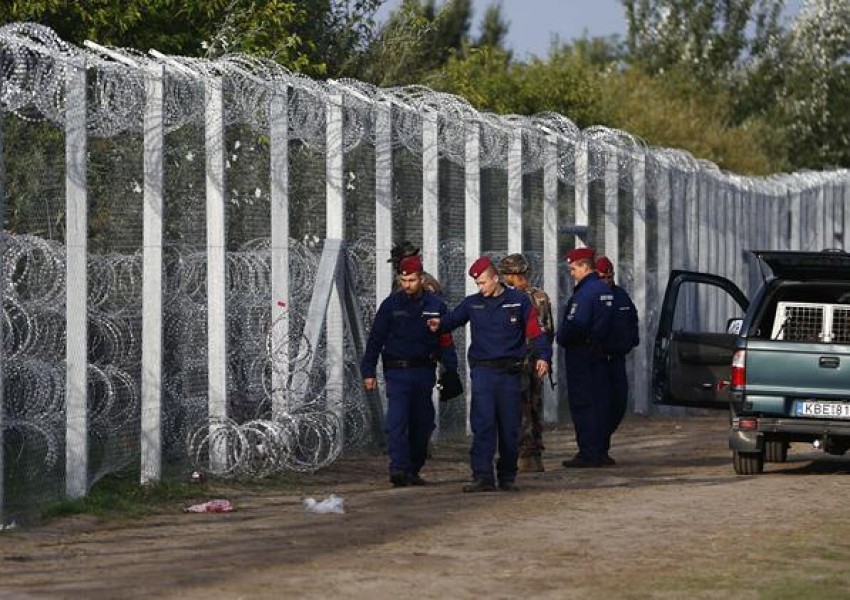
{"points": [[370, 383], [542, 368], [434, 324]]}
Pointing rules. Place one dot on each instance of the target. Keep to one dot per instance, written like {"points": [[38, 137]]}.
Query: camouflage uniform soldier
{"points": [[403, 250], [514, 268]]}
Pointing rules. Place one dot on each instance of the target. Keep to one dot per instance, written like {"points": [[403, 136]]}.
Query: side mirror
{"points": [[733, 326]]}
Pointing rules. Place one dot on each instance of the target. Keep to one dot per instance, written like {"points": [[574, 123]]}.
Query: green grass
{"points": [[123, 496]]}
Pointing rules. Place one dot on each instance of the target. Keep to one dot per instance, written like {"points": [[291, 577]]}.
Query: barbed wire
{"points": [[36, 62], [262, 363]]}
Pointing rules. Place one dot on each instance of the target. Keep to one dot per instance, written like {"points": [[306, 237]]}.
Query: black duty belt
{"points": [[408, 363], [510, 365]]}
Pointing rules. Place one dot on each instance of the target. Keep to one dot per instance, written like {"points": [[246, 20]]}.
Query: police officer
{"points": [[403, 250], [501, 320], [621, 338], [584, 327], [514, 269], [409, 352], [430, 283]]}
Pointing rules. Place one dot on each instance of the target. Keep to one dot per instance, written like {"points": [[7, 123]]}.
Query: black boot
{"points": [[480, 485], [415, 479], [398, 479], [580, 463], [508, 485]]}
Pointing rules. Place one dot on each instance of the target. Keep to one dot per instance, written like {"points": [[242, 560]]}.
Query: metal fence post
{"points": [[279, 214], [335, 209], [550, 262], [216, 261], [431, 193], [431, 216], [472, 226], [612, 207], [515, 200], [151, 443], [76, 303], [582, 189], [641, 354]]}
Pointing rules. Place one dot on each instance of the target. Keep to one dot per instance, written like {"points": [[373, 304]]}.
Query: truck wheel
{"points": [[748, 463], [835, 447], [775, 451]]}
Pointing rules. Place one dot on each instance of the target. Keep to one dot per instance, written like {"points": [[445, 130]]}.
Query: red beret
{"points": [[579, 254], [410, 265], [479, 266], [604, 265]]}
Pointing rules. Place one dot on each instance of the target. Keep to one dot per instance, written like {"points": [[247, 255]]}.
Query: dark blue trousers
{"points": [[589, 401], [619, 385], [495, 418], [410, 417]]}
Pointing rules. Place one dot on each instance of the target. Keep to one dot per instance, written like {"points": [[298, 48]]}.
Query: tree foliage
{"points": [[567, 83], [670, 111], [494, 28], [725, 79], [812, 72], [304, 35], [708, 37], [788, 84]]}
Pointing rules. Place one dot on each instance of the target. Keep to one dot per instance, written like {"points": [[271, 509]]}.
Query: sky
{"points": [[533, 24]]}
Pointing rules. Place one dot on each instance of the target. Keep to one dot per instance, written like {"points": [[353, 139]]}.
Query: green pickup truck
{"points": [[780, 363]]}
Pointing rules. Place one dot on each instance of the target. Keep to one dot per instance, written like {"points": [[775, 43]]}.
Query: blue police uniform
{"points": [[584, 327], [501, 326], [409, 353], [622, 337]]}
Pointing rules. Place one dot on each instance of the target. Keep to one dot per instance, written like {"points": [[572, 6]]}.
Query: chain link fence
{"points": [[171, 298]]}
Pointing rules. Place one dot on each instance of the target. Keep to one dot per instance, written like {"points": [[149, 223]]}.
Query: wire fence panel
{"points": [[280, 198]]}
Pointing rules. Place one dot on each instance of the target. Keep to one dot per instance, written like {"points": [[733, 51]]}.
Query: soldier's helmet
{"points": [[513, 264], [402, 250]]}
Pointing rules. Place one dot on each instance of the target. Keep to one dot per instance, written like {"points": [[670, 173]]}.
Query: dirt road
{"points": [[671, 520]]}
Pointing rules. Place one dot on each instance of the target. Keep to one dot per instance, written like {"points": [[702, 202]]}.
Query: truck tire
{"points": [[748, 463], [836, 447], [775, 451]]}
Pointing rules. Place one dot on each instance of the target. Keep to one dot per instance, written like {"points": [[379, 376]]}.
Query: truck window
{"points": [[806, 312], [704, 308]]}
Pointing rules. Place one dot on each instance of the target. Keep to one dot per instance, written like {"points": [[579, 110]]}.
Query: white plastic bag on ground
{"points": [[331, 504]]}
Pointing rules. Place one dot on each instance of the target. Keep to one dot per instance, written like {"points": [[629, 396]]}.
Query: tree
{"points": [[709, 38], [789, 85], [672, 111], [812, 100], [567, 83], [417, 38], [312, 36], [494, 28]]}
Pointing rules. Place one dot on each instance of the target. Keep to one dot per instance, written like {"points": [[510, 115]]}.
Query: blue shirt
{"points": [[501, 326], [588, 314], [400, 331]]}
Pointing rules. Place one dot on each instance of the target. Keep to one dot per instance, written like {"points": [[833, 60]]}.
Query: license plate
{"points": [[822, 410]]}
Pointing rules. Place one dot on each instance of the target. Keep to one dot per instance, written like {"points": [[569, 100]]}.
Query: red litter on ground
{"points": [[211, 506]]}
